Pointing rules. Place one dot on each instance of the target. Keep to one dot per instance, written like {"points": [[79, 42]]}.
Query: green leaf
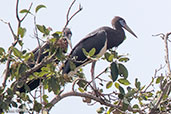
{"points": [[136, 106], [121, 90], [109, 84], [45, 98], [85, 52], [81, 90], [117, 85], [123, 70], [142, 87], [57, 34], [54, 85], [92, 52], [124, 81], [159, 79], [110, 110], [137, 84], [39, 7], [2, 51], [107, 54], [81, 83], [114, 71], [21, 31], [43, 29], [37, 106], [120, 96], [125, 59], [109, 57], [16, 52], [24, 11]]}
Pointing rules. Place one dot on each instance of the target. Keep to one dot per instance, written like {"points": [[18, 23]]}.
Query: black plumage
{"points": [[101, 39], [61, 43]]}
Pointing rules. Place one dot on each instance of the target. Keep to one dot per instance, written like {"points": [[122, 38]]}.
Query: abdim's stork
{"points": [[61, 43], [102, 39]]}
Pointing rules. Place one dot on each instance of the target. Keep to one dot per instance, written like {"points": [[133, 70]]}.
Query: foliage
{"points": [[124, 96]]}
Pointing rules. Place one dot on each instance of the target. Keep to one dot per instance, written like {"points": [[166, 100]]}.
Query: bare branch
{"points": [[27, 12], [9, 25], [67, 16], [167, 52], [17, 16], [160, 34], [36, 35], [69, 9]]}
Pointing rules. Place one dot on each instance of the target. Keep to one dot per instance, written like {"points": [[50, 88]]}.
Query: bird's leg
{"points": [[92, 75]]}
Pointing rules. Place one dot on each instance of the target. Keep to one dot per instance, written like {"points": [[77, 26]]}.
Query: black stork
{"points": [[62, 43], [102, 39]]}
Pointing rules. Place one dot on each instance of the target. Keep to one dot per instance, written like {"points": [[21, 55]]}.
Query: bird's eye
{"points": [[122, 22]]}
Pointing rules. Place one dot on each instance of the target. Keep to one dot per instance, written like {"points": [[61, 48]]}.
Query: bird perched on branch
{"points": [[102, 39], [61, 43]]}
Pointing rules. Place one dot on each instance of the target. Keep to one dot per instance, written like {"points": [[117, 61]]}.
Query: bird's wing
{"points": [[96, 39]]}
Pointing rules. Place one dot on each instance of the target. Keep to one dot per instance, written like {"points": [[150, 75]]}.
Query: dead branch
{"points": [[167, 86], [167, 52], [68, 12]]}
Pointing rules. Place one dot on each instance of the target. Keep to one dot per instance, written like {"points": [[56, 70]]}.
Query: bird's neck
{"points": [[115, 37], [121, 35]]}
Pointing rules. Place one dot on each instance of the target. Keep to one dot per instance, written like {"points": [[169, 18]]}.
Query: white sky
{"points": [[145, 18]]}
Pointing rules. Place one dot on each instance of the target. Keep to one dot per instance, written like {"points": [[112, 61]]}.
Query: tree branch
{"points": [[167, 52], [68, 12], [168, 84], [86, 95], [15, 41]]}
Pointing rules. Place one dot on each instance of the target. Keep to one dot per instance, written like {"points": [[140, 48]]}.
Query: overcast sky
{"points": [[144, 17]]}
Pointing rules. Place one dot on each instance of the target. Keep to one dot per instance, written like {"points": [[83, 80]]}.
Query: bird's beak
{"points": [[69, 40], [129, 30]]}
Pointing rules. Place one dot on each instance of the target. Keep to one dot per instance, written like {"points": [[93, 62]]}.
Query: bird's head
{"points": [[67, 34], [118, 22]]}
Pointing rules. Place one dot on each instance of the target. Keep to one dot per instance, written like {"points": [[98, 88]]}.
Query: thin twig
{"points": [[17, 16], [37, 37], [68, 12], [69, 9], [99, 74], [27, 12]]}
